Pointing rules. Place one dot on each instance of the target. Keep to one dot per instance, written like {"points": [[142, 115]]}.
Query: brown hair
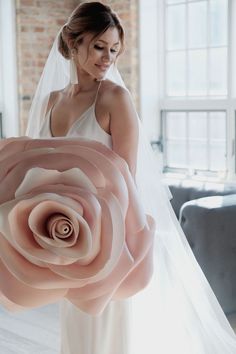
{"points": [[89, 17]]}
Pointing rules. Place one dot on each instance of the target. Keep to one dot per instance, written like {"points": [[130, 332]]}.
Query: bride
{"points": [[82, 94]]}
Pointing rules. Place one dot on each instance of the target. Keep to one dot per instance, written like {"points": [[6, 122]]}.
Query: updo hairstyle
{"points": [[90, 17]]}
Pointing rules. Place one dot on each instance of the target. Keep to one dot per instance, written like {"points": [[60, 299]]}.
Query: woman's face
{"points": [[96, 56]]}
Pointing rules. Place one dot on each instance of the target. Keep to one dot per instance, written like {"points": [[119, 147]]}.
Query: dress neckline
{"points": [[77, 120]]}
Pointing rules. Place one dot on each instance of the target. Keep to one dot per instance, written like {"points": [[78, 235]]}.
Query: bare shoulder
{"points": [[118, 102], [112, 87], [113, 94]]}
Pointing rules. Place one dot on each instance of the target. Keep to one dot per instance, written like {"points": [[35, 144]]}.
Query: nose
{"points": [[106, 56]]}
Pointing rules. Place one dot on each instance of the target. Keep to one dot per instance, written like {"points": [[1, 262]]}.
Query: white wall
{"points": [[8, 73], [151, 42]]}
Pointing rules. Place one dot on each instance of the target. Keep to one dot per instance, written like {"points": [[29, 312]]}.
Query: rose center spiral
{"points": [[59, 226]]}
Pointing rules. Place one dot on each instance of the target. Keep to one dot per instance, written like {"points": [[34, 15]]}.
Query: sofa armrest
{"points": [[187, 189]]}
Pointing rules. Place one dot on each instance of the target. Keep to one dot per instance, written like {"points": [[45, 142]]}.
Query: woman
{"points": [[92, 108], [177, 312]]}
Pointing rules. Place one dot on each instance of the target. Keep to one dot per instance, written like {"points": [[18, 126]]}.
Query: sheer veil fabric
{"points": [[177, 312]]}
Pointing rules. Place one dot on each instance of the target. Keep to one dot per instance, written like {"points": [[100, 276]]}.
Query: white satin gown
{"points": [[82, 333]]}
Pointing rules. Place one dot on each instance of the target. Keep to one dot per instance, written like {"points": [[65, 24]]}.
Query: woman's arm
{"points": [[124, 127]]}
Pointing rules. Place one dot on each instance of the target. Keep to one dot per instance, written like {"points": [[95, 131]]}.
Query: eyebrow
{"points": [[101, 40]]}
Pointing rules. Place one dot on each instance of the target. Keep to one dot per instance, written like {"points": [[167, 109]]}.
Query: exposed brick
{"points": [[27, 2], [39, 29]]}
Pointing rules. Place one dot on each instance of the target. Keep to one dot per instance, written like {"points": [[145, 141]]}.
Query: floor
{"points": [[36, 331]]}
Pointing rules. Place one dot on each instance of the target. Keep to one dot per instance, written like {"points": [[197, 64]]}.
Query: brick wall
{"points": [[38, 21]]}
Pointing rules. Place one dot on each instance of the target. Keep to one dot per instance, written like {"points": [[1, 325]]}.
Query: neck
{"points": [[86, 83]]}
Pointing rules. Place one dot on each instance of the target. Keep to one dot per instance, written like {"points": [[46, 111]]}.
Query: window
{"points": [[195, 141], [196, 51], [196, 48], [195, 93]]}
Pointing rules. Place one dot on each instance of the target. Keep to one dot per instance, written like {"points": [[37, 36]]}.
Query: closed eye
{"points": [[101, 48], [98, 47]]}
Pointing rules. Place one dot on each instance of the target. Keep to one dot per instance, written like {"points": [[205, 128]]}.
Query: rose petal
{"points": [[36, 177], [24, 295], [11, 146], [9, 305], [137, 279], [27, 272], [109, 283], [115, 182], [24, 161], [92, 307]]}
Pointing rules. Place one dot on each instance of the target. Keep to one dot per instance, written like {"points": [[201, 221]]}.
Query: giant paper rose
{"points": [[71, 225]]}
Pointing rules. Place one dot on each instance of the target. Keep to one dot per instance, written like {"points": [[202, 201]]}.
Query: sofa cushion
{"points": [[210, 227]]}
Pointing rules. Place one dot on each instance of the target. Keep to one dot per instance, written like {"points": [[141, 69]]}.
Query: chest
{"points": [[66, 113]]}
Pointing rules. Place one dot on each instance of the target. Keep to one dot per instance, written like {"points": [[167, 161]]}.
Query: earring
{"points": [[73, 72]]}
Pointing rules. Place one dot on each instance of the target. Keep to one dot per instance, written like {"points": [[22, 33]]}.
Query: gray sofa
{"points": [[207, 214]]}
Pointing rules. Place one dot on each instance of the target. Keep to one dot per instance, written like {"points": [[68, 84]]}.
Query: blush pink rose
{"points": [[71, 225]]}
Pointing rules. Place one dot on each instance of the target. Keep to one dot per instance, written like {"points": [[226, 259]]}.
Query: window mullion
{"points": [[208, 141], [208, 18], [187, 141], [186, 51], [197, 104], [230, 43], [230, 119]]}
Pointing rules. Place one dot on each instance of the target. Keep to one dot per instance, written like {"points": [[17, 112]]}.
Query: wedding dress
{"points": [[82, 333], [177, 313]]}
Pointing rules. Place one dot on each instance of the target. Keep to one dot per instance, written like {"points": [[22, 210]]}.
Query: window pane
{"points": [[197, 23], [176, 154], [217, 126], [218, 71], [197, 73], [176, 74], [198, 155], [195, 140], [218, 156], [197, 125], [176, 28], [176, 125], [218, 22]]}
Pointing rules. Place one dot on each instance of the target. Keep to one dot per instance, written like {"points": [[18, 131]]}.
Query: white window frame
{"points": [[152, 69], [8, 69]]}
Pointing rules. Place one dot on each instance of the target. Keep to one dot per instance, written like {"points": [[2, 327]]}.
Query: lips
{"points": [[103, 67]]}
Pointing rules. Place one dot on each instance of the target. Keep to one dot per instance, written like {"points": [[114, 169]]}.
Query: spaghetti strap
{"points": [[99, 85]]}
